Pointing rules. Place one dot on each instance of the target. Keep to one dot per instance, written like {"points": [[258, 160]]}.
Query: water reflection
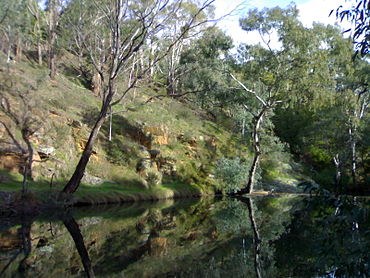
{"points": [[261, 237], [74, 230]]}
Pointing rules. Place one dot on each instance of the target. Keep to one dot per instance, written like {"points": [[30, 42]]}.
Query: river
{"points": [[214, 237]]}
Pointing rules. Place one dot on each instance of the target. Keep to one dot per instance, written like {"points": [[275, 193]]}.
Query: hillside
{"points": [[160, 145]]}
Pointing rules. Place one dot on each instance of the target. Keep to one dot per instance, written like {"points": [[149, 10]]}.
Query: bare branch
{"points": [[249, 91]]}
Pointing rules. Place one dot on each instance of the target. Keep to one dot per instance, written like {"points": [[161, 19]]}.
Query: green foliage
{"points": [[232, 172], [202, 68]]}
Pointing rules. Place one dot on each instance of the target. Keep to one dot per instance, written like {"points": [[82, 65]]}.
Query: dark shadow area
{"points": [[76, 75]]}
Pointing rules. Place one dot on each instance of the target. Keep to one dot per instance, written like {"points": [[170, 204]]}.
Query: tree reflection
{"points": [[74, 230], [26, 247], [329, 238], [256, 237]]}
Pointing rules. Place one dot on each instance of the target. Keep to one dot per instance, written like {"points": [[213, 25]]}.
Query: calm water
{"points": [[258, 237]]}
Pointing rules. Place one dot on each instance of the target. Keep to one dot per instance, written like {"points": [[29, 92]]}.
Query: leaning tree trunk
{"points": [[79, 172], [75, 232], [248, 189]]}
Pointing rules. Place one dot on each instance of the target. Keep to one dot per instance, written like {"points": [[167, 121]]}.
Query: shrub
{"points": [[232, 172]]}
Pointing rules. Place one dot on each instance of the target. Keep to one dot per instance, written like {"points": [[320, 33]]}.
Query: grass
{"points": [[105, 193]]}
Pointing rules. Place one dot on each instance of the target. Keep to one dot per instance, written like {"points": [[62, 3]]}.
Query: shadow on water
{"points": [[248, 237]]}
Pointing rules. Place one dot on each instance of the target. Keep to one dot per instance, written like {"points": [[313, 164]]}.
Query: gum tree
{"points": [[125, 27]]}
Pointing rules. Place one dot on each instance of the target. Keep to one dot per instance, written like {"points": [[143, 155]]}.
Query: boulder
{"points": [[89, 179], [45, 151]]}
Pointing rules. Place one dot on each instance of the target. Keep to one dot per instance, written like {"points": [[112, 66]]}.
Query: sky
{"points": [[310, 11]]}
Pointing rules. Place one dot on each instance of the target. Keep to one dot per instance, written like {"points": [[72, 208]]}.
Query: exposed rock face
{"points": [[137, 133], [147, 135], [2, 131], [159, 134]]}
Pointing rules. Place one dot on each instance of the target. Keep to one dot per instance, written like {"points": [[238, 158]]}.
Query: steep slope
{"points": [[154, 144]]}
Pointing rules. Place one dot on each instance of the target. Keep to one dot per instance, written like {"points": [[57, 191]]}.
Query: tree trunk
{"points": [[79, 172], [352, 134], [97, 84], [39, 53], [248, 189], [338, 172], [75, 232], [252, 172], [110, 123], [51, 39], [27, 170], [18, 50]]}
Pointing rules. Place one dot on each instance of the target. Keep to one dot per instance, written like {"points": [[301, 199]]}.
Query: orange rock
{"points": [[159, 134], [11, 162]]}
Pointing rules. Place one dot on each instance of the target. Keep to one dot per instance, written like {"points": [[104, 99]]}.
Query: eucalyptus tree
{"points": [[125, 26], [331, 99], [201, 72], [301, 73], [53, 17], [171, 63], [260, 74], [353, 93], [14, 27], [38, 26]]}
